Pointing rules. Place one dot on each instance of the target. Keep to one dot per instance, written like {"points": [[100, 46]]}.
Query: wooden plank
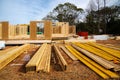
{"points": [[12, 42], [44, 64], [11, 55], [96, 58], [42, 61], [96, 51], [60, 58], [32, 65], [47, 65], [110, 46], [68, 53], [112, 52]]}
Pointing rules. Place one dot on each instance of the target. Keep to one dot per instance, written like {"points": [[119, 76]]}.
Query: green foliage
{"points": [[66, 12], [106, 19]]}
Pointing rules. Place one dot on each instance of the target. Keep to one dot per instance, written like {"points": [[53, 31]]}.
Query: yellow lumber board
{"points": [[34, 61], [110, 46], [68, 53], [96, 51], [94, 66], [61, 59], [113, 52], [11, 55]]}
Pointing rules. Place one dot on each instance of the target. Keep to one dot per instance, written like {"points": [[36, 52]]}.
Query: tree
{"points": [[66, 12]]}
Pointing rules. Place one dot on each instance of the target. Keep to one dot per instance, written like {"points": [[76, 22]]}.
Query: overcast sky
{"points": [[22, 11]]}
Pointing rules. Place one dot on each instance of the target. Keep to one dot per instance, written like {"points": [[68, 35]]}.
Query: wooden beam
{"points": [[15, 42]]}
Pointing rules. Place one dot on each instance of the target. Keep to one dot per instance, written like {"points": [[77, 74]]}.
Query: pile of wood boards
{"points": [[41, 59], [97, 64], [11, 54]]}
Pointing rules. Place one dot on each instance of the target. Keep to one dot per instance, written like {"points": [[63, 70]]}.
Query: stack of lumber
{"points": [[60, 58], [96, 51], [100, 70], [112, 52], [41, 59], [103, 62], [11, 54]]}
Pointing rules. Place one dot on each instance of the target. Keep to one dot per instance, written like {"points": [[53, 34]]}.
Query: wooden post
{"points": [[33, 30], [48, 30], [5, 30]]}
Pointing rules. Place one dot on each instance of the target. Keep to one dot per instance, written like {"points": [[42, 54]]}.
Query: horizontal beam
{"points": [[15, 42]]}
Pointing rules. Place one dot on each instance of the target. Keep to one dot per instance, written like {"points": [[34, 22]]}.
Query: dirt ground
{"points": [[76, 70]]}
